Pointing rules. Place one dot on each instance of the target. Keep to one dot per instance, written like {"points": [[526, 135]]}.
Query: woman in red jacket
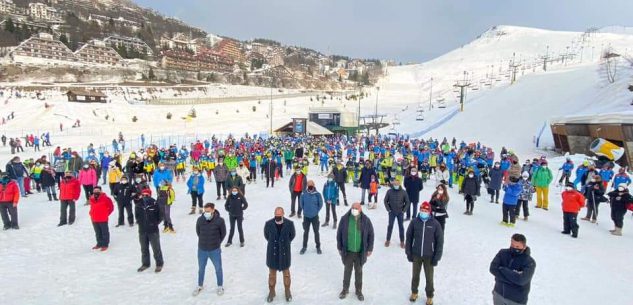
{"points": [[69, 192], [100, 208], [573, 201], [9, 197]]}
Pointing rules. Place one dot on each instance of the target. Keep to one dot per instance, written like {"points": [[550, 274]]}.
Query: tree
{"points": [[64, 39], [365, 78], [9, 26], [151, 74], [199, 76]]}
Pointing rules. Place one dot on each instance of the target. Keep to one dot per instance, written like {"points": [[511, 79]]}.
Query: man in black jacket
{"points": [[123, 196], [148, 218], [340, 175], [396, 202], [355, 242], [279, 233], [211, 231], [424, 246], [413, 185], [235, 205], [513, 269]]}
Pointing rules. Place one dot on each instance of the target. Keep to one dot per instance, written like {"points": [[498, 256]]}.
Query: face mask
{"points": [[85, 166], [208, 215], [310, 188], [162, 168], [471, 175], [279, 219], [97, 195], [233, 173], [196, 173], [496, 165], [138, 180], [298, 172], [593, 180], [440, 192], [525, 177], [234, 193], [330, 179], [424, 216], [68, 177], [355, 212], [515, 251], [123, 181], [569, 188], [414, 173], [621, 189], [396, 187], [220, 163]]}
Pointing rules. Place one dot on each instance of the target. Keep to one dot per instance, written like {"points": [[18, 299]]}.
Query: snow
{"points": [[43, 264]]}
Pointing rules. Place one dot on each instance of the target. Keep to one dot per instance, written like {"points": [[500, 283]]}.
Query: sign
{"points": [[325, 116], [299, 126]]}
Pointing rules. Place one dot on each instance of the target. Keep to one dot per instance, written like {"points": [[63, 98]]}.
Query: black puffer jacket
{"points": [[340, 175], [123, 192], [211, 232], [235, 205], [424, 239], [396, 201], [620, 201], [513, 274], [147, 215], [471, 186]]}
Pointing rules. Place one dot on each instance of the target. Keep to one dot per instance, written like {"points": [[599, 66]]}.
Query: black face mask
{"points": [[278, 218], [515, 251]]}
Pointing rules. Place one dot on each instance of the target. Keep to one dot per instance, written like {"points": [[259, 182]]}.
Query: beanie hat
{"points": [[425, 206]]}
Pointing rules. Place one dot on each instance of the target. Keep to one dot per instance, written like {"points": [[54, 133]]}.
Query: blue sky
{"points": [[404, 30]]}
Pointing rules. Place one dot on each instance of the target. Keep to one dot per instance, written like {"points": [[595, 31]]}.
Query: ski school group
{"points": [[142, 188]]}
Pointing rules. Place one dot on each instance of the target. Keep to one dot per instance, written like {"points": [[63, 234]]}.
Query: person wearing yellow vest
{"points": [[165, 198]]}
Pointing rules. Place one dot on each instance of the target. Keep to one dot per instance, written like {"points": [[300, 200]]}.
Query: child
{"points": [[373, 192], [330, 196], [512, 191], [165, 199], [526, 195]]}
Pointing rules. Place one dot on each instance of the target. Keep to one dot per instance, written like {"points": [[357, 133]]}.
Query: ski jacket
{"points": [[496, 178], [9, 192], [330, 192], [512, 191], [413, 186], [123, 192], [220, 172], [365, 177], [542, 177], [396, 201], [620, 201], [235, 205], [147, 214], [513, 274], [424, 238], [100, 208], [210, 232], [366, 232], [69, 189], [160, 175], [88, 177], [311, 203], [199, 186], [573, 201]]}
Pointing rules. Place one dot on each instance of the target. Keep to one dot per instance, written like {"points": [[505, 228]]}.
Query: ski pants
{"points": [[150, 239], [570, 223], [414, 208], [328, 207], [524, 204], [9, 215], [195, 197], [509, 215], [341, 187], [592, 210], [314, 222], [219, 185], [64, 206], [617, 215], [542, 197], [294, 197], [88, 191], [232, 221], [123, 207], [352, 260], [102, 233]]}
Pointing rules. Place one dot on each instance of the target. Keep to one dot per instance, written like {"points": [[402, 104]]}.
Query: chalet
{"points": [[86, 96]]}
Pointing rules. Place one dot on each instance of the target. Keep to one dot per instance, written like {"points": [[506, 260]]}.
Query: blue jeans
{"points": [[20, 181], [324, 167], [216, 258], [392, 217]]}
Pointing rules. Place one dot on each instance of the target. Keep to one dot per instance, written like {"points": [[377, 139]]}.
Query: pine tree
{"points": [[151, 74], [64, 39]]}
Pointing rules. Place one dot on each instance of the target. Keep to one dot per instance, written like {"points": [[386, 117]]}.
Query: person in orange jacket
{"points": [[100, 209], [9, 197], [573, 201]]}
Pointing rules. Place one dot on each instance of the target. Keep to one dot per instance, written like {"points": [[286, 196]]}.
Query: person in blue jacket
{"points": [[330, 196], [606, 174], [580, 172], [105, 164], [311, 203], [162, 173], [567, 167], [365, 180], [195, 188], [621, 177], [510, 198]]}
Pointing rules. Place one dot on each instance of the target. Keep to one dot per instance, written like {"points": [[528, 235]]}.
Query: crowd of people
{"points": [[141, 187]]}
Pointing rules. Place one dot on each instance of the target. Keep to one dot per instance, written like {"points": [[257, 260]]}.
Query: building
{"points": [[43, 49], [205, 60], [86, 96], [120, 21], [180, 41], [98, 53], [575, 134], [43, 12], [7, 7], [19, 22], [230, 48], [302, 126], [334, 119], [178, 60], [131, 43], [212, 40], [275, 59]]}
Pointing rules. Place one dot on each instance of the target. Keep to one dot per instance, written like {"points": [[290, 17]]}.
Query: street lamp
{"points": [[431, 95], [360, 89]]}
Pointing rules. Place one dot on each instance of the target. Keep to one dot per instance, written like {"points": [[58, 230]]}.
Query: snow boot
{"points": [[360, 296], [158, 269], [142, 268], [325, 224], [593, 221], [585, 218], [292, 214], [343, 294], [334, 225], [525, 218], [319, 251], [345, 201], [55, 197], [50, 198], [288, 295], [413, 297], [104, 249], [242, 245], [303, 251], [402, 245], [200, 211], [387, 243], [228, 244], [429, 301], [193, 211], [220, 291], [617, 232]]}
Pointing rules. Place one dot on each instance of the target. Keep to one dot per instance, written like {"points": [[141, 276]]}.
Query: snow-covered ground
{"points": [[43, 264]]}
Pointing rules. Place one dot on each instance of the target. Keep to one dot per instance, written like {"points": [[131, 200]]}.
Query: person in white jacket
{"points": [[243, 172], [442, 175]]}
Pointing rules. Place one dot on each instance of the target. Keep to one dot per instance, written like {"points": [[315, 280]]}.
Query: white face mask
{"points": [[414, 173], [471, 175], [621, 189], [569, 188], [440, 192], [355, 212]]}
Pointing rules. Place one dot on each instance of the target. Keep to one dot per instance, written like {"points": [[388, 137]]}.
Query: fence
{"points": [[218, 100]]}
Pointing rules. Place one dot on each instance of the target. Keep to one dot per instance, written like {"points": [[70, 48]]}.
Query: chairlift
{"points": [[442, 104], [419, 117]]}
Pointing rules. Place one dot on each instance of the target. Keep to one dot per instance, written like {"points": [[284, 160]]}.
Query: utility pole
{"points": [[431, 95], [545, 59], [271, 105], [462, 85], [376, 111], [514, 66], [360, 89]]}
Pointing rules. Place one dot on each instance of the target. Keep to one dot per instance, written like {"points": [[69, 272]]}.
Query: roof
{"points": [[86, 92], [624, 117], [312, 129]]}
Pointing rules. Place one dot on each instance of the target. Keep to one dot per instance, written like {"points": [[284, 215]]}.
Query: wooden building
{"points": [[86, 96]]}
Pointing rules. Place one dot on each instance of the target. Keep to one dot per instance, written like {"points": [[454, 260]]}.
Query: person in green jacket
{"points": [[230, 161], [289, 154], [541, 179]]}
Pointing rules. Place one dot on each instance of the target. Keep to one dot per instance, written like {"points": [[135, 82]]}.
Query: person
{"points": [[573, 201], [541, 180], [513, 269], [494, 186], [373, 193], [439, 203], [88, 180], [47, 179], [16, 170], [162, 173], [195, 188], [148, 218], [365, 179], [512, 191], [396, 202], [525, 197], [413, 185], [355, 243], [165, 198], [567, 167], [330, 196], [471, 190], [234, 180], [211, 230], [424, 247], [235, 205], [340, 175], [279, 233], [270, 168], [123, 197], [620, 200], [594, 191], [9, 198], [297, 185], [311, 203], [220, 172], [100, 209], [115, 175], [69, 193]]}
